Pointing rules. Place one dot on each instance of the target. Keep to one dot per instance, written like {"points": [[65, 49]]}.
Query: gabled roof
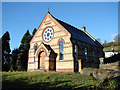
{"points": [[79, 34]]}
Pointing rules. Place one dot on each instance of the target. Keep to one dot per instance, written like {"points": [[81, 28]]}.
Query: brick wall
{"points": [[59, 33]]}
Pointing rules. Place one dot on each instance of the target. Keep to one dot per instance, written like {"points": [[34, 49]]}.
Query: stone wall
{"points": [[100, 74], [113, 66]]}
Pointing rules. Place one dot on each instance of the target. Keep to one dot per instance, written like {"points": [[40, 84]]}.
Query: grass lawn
{"points": [[115, 48], [53, 80]]}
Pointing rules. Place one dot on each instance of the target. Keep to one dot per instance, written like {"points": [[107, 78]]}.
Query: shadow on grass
{"points": [[41, 85], [111, 83], [64, 84]]}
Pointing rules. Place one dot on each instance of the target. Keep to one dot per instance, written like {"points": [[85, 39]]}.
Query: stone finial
{"points": [[84, 28], [101, 60]]}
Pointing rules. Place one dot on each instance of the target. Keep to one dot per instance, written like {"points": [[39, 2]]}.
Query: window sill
{"points": [[60, 60]]}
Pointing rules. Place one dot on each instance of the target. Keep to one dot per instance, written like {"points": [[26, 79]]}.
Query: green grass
{"points": [[115, 48], [52, 80]]}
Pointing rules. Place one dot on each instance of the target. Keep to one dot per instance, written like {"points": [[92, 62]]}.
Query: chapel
{"points": [[59, 46]]}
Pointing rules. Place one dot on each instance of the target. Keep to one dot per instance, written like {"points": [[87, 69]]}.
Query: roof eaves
{"points": [[96, 43]]}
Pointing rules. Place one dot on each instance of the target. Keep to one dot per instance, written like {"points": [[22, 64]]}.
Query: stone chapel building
{"points": [[57, 46]]}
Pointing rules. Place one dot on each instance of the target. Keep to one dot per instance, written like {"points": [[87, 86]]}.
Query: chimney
{"points": [[84, 28]]}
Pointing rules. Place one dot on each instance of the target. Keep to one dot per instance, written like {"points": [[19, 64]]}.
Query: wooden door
{"points": [[52, 62], [41, 60]]}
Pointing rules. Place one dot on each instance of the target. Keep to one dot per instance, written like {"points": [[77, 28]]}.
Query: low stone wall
{"points": [[112, 66], [100, 74]]}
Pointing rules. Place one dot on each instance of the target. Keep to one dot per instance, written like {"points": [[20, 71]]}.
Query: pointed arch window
{"points": [[100, 54], [35, 48], [61, 50], [94, 55], [76, 53], [86, 54]]}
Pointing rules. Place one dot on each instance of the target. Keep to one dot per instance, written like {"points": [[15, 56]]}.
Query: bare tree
{"points": [[117, 38]]}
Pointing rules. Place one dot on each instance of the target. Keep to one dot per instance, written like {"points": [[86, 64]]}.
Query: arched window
{"points": [[100, 54], [61, 50], [86, 54], [94, 55], [76, 53], [35, 48]]}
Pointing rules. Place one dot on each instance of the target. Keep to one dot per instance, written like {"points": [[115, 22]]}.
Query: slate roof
{"points": [[79, 34]]}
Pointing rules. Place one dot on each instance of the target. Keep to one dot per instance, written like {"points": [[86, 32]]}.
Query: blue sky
{"points": [[99, 18]]}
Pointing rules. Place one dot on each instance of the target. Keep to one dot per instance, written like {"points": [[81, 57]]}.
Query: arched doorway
{"points": [[52, 61], [41, 60], [46, 58]]}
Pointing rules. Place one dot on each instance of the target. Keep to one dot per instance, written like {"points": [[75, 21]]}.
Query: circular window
{"points": [[47, 34]]}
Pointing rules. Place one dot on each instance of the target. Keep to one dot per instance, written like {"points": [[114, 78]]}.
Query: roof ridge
{"points": [[69, 24], [64, 22], [77, 31]]}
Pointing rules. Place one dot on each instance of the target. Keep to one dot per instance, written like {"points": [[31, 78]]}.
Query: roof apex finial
{"points": [[48, 9]]}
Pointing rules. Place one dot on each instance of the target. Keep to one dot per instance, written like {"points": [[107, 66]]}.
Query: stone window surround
{"points": [[61, 39]]}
